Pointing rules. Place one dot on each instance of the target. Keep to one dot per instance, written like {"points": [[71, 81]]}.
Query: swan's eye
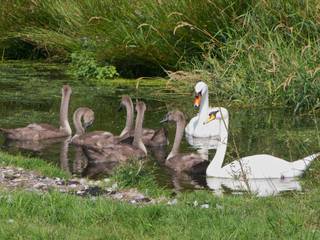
{"points": [[200, 93]]}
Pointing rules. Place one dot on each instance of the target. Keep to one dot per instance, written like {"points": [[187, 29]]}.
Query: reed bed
{"points": [[256, 52]]}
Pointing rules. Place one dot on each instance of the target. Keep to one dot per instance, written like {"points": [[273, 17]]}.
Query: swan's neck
{"points": [[64, 107], [64, 161], [215, 165], [129, 121], [77, 122], [180, 125], [204, 108], [137, 138]]}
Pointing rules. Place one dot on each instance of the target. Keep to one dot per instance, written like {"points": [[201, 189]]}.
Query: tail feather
{"points": [[5, 131], [127, 140], [161, 136], [90, 152], [304, 163]]}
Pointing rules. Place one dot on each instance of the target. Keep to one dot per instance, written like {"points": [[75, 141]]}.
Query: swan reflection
{"points": [[34, 146], [206, 143]]}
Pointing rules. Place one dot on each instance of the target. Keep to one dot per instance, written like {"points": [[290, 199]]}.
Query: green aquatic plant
{"points": [[85, 66]]}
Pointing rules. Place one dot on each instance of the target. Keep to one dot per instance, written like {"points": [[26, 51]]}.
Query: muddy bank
{"points": [[12, 178]]}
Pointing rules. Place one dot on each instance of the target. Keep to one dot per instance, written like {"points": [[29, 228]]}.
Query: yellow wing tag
{"points": [[212, 116]]}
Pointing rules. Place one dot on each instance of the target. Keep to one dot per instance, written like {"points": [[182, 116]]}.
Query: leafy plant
{"points": [[85, 67]]}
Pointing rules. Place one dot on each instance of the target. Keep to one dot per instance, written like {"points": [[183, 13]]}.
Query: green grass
{"points": [[59, 216], [38, 165], [136, 174]]}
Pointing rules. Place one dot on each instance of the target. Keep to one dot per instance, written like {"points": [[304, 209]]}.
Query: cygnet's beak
{"points": [[165, 119], [87, 125], [120, 107]]}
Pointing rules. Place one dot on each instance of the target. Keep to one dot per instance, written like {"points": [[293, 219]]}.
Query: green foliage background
{"points": [[262, 52]]}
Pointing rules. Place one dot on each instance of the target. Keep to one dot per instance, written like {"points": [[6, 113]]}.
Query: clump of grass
{"points": [[136, 174], [33, 164]]}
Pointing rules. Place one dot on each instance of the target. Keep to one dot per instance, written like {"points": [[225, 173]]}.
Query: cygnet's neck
{"points": [[180, 125], [77, 116], [64, 109], [129, 120], [137, 138]]}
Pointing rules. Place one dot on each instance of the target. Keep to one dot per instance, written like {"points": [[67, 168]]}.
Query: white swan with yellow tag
{"points": [[203, 125]]}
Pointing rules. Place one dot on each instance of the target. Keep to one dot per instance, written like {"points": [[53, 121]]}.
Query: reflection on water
{"points": [[34, 146], [255, 131], [206, 143]]}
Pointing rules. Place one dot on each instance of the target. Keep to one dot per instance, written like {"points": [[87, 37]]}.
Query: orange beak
{"points": [[197, 100]]}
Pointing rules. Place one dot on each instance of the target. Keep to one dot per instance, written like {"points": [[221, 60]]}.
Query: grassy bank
{"points": [[264, 52], [54, 215], [34, 164], [57, 216]]}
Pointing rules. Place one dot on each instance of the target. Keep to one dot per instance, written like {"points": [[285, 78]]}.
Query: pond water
{"points": [[31, 93]]}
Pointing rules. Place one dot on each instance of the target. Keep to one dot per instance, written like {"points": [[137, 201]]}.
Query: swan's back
{"points": [[262, 166], [211, 129], [161, 136], [150, 137], [34, 132], [96, 138], [184, 162], [95, 169], [114, 152]]}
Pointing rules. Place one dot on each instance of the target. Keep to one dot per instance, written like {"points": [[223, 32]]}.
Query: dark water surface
{"points": [[31, 93]]}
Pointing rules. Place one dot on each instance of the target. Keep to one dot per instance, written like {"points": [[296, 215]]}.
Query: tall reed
{"points": [[257, 52]]}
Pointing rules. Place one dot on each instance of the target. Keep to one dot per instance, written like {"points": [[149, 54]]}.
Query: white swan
{"points": [[203, 125], [256, 166]]}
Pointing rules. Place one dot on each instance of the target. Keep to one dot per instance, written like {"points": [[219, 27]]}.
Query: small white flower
{"points": [[195, 203], [173, 202], [204, 205]]}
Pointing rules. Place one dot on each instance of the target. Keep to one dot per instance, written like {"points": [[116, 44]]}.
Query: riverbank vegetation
{"points": [[195, 214], [189, 214], [34, 164], [26, 215], [250, 52]]}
